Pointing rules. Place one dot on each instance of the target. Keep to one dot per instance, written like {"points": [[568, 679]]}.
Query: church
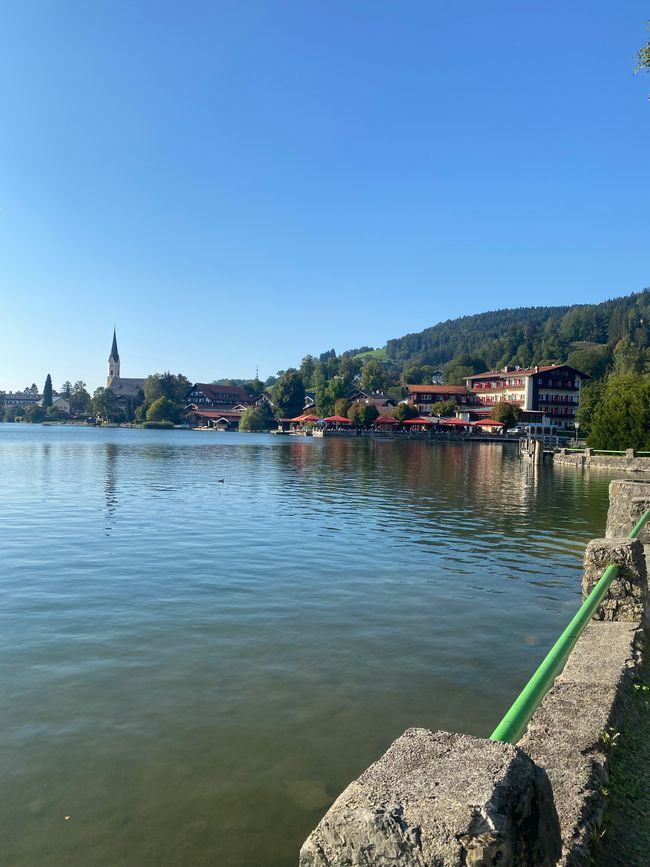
{"points": [[122, 387]]}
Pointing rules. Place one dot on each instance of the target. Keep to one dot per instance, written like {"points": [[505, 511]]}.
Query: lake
{"points": [[193, 670]]}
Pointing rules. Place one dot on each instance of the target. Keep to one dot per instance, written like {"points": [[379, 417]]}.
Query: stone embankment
{"points": [[626, 462], [437, 799]]}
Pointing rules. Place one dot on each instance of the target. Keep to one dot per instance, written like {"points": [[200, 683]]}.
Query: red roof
{"points": [[454, 421], [214, 413], [340, 419], [428, 420], [523, 371], [487, 422], [437, 389]]}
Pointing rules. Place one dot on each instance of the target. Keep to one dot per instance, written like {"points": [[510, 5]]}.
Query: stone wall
{"points": [[436, 799], [627, 463]]}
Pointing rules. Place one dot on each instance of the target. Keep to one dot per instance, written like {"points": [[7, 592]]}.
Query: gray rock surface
{"points": [[436, 799], [627, 597], [569, 734], [628, 499]]}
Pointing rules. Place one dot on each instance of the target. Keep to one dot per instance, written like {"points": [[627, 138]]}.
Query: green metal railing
{"points": [[514, 723]]}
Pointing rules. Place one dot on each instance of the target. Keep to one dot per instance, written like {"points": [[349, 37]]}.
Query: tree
{"points": [[592, 360], [362, 414], [80, 399], [163, 409], [34, 414], [289, 394], [66, 389], [373, 376], [54, 414], [342, 405], [172, 386], [643, 57], [445, 408], [103, 403], [11, 413], [404, 411], [256, 418], [591, 395], [47, 392], [508, 413], [622, 418]]}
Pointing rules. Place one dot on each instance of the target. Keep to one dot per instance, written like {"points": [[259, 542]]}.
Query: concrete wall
{"points": [[436, 799]]}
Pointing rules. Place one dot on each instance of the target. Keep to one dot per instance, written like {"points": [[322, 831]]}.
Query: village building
{"points": [[124, 388], [549, 391], [209, 396], [29, 397], [217, 406], [425, 397]]}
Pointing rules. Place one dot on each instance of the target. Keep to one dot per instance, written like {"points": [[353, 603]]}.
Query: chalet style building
{"points": [[425, 397], [219, 406], [552, 390], [208, 396], [547, 393]]}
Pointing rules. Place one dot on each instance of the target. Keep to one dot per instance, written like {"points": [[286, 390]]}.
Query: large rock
{"points": [[628, 500], [436, 799], [627, 597]]}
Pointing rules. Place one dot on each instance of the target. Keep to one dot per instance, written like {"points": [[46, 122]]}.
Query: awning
{"points": [[421, 421], [454, 422], [487, 422], [337, 419]]}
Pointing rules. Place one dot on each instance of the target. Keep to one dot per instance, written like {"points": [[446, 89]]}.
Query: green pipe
{"points": [[514, 723]]}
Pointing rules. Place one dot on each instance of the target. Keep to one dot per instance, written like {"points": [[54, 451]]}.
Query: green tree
{"points": [[643, 57], [622, 418], [11, 413], [373, 376], [342, 406], [80, 400], [257, 418], [592, 360], [54, 414], [404, 411], [47, 393], [103, 403], [508, 413], [289, 395], [591, 395], [444, 408], [172, 386], [34, 414], [306, 370], [66, 389], [362, 414], [163, 409]]}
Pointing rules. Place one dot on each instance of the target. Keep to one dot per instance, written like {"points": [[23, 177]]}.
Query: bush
{"points": [[159, 425], [163, 409]]}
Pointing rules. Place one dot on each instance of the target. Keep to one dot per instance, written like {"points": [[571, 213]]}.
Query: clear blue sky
{"points": [[243, 182]]}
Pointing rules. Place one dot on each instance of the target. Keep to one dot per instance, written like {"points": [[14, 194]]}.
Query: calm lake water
{"points": [[192, 671]]}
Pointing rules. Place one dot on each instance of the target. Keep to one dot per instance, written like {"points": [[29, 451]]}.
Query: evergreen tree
{"points": [[47, 392]]}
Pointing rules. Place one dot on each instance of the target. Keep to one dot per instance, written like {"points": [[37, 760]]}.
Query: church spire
{"points": [[113, 362], [114, 353]]}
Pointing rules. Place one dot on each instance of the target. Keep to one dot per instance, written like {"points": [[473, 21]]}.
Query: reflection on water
{"points": [[192, 670]]}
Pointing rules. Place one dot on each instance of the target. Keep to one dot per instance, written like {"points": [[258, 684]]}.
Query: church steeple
{"points": [[113, 362]]}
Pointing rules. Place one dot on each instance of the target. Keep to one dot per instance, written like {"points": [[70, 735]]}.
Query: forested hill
{"points": [[532, 335]]}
